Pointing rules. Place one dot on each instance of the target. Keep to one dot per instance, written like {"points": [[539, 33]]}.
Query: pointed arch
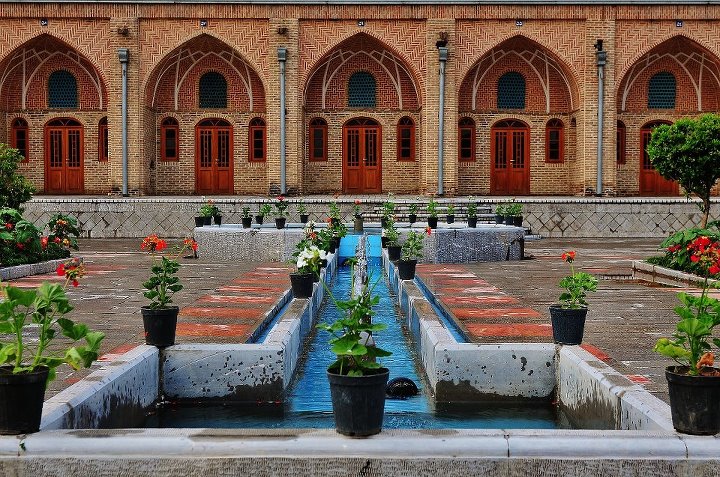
{"points": [[556, 81], [172, 80], [696, 69], [362, 52], [24, 72]]}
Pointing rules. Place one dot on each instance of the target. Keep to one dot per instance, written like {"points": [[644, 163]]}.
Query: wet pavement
{"points": [[223, 302]]}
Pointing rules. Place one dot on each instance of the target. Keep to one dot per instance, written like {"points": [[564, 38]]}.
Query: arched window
{"points": [[318, 139], [620, 142], [511, 91], [661, 91], [103, 140], [213, 90], [554, 140], [406, 139], [466, 140], [19, 137], [361, 90], [62, 90], [169, 144], [257, 141]]}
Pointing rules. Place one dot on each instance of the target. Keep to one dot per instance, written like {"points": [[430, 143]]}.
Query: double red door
{"points": [[213, 157], [64, 157], [651, 182], [362, 163], [510, 159]]}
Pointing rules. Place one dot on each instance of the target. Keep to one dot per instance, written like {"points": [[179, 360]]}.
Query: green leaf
{"points": [[20, 296]]}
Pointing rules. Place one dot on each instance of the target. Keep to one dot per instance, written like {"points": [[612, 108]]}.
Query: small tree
{"points": [[15, 189], [689, 152]]}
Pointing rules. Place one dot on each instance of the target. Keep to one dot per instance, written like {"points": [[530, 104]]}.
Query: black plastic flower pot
{"points": [[406, 269], [21, 400], [509, 220], [568, 324], [246, 222], [302, 284], [432, 222], [199, 221], [358, 224], [517, 220], [383, 222], [304, 218], [259, 219], [207, 220], [412, 218], [450, 219], [217, 219], [472, 222], [280, 222], [358, 402], [383, 242], [394, 252], [160, 324], [499, 219], [694, 400]]}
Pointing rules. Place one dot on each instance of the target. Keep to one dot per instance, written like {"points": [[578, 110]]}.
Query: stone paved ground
{"points": [[500, 301]]}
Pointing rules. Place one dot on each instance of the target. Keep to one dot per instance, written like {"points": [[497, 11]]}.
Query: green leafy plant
{"points": [[677, 255], [514, 209], [63, 231], [15, 189], [413, 245], [388, 207], [310, 259], [391, 233], [264, 210], [432, 208], [246, 212], [690, 345], [472, 208], [337, 228], [352, 332], [576, 285], [500, 209], [413, 208], [281, 206], [162, 284], [451, 209], [208, 209], [688, 152], [334, 211], [301, 208], [44, 310], [356, 208]]}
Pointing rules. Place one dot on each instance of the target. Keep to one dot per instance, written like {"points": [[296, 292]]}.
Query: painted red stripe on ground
{"points": [[237, 299], [478, 300], [518, 330], [197, 329], [200, 312], [474, 313], [597, 352]]}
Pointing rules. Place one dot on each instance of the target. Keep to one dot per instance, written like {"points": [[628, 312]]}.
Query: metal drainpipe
{"points": [[282, 57], [443, 55], [601, 60], [124, 57]]}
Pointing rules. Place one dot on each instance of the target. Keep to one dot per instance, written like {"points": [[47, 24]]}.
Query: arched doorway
{"points": [[510, 158], [64, 157], [362, 152], [213, 157], [651, 182]]}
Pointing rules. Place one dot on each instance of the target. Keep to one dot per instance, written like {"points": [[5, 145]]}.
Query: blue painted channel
{"points": [[308, 404]]}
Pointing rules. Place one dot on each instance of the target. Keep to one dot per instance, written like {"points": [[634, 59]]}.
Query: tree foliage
{"points": [[15, 189], [689, 152]]}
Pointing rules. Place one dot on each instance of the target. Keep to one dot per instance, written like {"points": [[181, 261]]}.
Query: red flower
{"points": [[60, 270], [21, 246], [189, 242], [428, 230], [152, 243], [674, 248], [8, 225], [44, 242], [357, 202], [694, 258], [328, 220], [57, 240], [569, 256], [75, 283], [714, 269]]}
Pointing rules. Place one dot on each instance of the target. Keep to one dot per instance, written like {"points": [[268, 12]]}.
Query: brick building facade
{"points": [[362, 94]]}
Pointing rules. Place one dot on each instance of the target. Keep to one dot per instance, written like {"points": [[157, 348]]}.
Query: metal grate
{"points": [[361, 90], [213, 90], [62, 90], [511, 91], [661, 91]]}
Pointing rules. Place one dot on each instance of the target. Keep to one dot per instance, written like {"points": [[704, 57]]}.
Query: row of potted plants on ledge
{"points": [[311, 254]]}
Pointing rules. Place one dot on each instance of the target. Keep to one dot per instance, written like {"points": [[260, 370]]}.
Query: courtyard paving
{"points": [[495, 302]]}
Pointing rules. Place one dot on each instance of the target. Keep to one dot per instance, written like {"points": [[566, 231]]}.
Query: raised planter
{"points": [[648, 272]]}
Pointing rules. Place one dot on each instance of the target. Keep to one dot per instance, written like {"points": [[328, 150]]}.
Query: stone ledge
{"points": [[28, 269], [642, 270]]}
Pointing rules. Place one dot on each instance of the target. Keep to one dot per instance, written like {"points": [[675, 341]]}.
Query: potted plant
{"points": [[206, 212], [514, 210], [388, 210], [500, 213], [410, 253], [391, 236], [358, 218], [568, 317], [412, 212], [334, 214], [450, 213], [302, 211], [357, 380], [338, 230], [472, 213], [263, 210], [159, 317], [432, 210], [28, 365], [216, 214], [694, 385], [280, 212], [246, 218], [309, 262]]}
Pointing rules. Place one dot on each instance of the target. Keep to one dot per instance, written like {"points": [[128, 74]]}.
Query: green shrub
{"points": [[15, 189]]}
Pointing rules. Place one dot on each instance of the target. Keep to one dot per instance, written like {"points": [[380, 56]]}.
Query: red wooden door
{"points": [[510, 158], [213, 157], [651, 182], [362, 161], [64, 157]]}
